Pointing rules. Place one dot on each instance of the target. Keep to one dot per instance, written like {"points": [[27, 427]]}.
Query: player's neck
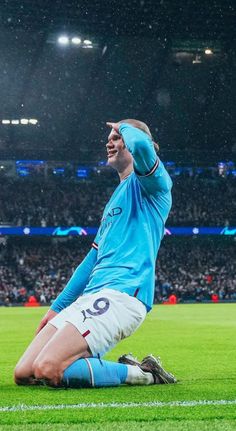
{"points": [[125, 173]]}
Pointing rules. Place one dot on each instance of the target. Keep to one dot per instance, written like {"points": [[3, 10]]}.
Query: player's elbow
{"points": [[166, 184], [169, 184]]}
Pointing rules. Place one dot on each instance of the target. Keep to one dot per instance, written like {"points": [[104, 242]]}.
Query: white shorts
{"points": [[103, 318]]}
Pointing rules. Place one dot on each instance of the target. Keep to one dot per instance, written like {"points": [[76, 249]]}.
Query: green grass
{"points": [[196, 342]]}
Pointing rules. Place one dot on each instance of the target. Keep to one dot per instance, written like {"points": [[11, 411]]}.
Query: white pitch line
{"points": [[159, 404]]}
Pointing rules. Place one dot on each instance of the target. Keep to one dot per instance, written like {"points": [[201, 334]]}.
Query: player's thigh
{"points": [[66, 346], [90, 326], [25, 364], [102, 319]]}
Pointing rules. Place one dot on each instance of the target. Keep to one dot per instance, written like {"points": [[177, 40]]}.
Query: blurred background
{"points": [[67, 67]]}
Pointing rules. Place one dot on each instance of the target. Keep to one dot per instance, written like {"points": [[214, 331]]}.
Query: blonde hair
{"points": [[142, 126]]}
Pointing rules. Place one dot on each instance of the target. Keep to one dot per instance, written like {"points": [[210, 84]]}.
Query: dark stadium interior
{"points": [[145, 59]]}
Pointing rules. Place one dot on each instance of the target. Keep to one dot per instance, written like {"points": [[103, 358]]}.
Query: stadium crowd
{"points": [[206, 200], [195, 269], [52, 203], [41, 268], [199, 199]]}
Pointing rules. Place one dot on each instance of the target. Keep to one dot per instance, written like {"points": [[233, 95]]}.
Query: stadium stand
{"points": [[42, 267], [206, 199]]}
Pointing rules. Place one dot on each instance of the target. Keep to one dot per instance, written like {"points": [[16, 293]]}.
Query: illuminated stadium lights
{"points": [[22, 121], [63, 40], [208, 51], [87, 43], [76, 40], [72, 39]]}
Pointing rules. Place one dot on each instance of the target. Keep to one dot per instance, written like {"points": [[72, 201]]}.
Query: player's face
{"points": [[117, 155]]}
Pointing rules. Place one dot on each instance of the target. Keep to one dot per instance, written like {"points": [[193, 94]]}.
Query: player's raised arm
{"points": [[147, 165], [73, 289]]}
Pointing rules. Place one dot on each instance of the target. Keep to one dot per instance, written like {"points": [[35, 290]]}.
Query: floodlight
{"points": [[76, 40], [33, 121], [208, 51], [63, 40], [24, 121], [6, 122], [15, 122], [87, 42]]}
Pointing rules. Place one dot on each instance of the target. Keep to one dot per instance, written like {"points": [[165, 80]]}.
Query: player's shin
{"points": [[93, 372]]}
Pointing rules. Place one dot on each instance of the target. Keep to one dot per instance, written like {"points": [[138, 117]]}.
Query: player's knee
{"points": [[45, 369], [21, 375]]}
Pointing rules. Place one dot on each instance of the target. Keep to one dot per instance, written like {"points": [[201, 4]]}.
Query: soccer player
{"points": [[111, 291]]}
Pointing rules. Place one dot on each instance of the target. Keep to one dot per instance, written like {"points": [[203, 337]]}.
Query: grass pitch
{"points": [[196, 342]]}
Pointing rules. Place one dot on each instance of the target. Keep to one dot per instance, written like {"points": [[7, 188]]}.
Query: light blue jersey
{"points": [[132, 227]]}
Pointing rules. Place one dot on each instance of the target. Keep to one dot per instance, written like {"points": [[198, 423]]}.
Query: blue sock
{"points": [[93, 372]]}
